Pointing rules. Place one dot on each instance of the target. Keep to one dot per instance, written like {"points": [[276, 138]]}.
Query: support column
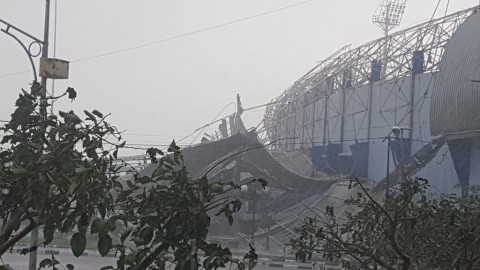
{"points": [[460, 150]]}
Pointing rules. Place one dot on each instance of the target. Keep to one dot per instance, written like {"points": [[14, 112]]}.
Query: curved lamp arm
{"points": [[28, 50]]}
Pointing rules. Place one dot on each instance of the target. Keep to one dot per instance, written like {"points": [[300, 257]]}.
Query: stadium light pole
{"points": [[387, 16]]}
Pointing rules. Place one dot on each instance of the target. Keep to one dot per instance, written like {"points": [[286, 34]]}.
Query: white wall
{"points": [[390, 106]]}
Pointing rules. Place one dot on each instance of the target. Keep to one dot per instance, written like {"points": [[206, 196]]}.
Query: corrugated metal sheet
{"points": [[295, 161], [455, 103]]}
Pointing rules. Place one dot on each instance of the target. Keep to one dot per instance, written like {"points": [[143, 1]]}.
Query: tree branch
{"points": [[152, 256], [358, 249], [365, 253], [373, 200], [13, 240], [393, 241], [405, 205], [11, 224]]}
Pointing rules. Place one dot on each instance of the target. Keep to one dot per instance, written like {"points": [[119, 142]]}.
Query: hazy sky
{"points": [[170, 88]]}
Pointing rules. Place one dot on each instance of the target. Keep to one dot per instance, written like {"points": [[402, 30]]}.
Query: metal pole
{"points": [[400, 162], [304, 125], [45, 37], [254, 216], [312, 139], [267, 234], [385, 46], [32, 261], [387, 178]]}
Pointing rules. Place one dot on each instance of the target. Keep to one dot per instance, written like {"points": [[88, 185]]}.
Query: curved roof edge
{"points": [[456, 97]]}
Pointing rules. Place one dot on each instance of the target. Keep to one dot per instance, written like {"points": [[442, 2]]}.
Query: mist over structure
{"points": [[344, 114]]}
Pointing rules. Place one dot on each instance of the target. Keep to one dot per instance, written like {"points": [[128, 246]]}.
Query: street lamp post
{"points": [[387, 177], [32, 260], [49, 69], [11, 31], [254, 216], [398, 132], [244, 188], [266, 216], [45, 37]]}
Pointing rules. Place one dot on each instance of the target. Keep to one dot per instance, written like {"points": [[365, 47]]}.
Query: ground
{"points": [[95, 262]]}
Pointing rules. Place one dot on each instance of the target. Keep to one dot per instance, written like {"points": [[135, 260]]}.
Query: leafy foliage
{"points": [[61, 173], [407, 231], [54, 171], [169, 212]]}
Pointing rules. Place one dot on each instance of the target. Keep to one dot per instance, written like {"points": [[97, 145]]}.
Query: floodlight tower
{"points": [[388, 16]]}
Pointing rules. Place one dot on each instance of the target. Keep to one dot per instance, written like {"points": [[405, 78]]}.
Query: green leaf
{"points": [[97, 226], [68, 223], [123, 195], [48, 231], [129, 184], [124, 235], [83, 223], [107, 268], [173, 147], [91, 153], [70, 267], [27, 95], [43, 158], [143, 180], [81, 170], [90, 115], [146, 234], [45, 263], [209, 249], [117, 185], [72, 118], [104, 244], [78, 243], [18, 170], [102, 210], [97, 113]]}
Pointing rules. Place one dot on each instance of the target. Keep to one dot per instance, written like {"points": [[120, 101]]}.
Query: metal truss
{"points": [[349, 68]]}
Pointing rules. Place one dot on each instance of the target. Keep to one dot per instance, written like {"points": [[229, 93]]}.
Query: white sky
{"points": [[174, 87]]}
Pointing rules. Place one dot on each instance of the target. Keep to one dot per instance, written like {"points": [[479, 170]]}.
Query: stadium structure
{"points": [[409, 100], [402, 106]]}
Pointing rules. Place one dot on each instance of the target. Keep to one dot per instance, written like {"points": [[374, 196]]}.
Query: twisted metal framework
{"points": [[353, 67]]}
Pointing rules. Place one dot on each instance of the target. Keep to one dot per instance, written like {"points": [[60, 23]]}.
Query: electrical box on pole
{"points": [[51, 68]]}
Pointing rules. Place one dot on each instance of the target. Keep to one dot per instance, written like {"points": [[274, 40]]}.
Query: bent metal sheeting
{"points": [[218, 159]]}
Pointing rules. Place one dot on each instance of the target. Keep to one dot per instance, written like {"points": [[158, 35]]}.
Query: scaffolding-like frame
{"points": [[353, 67]]}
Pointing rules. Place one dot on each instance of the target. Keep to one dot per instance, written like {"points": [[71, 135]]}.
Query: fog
{"points": [[166, 68]]}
